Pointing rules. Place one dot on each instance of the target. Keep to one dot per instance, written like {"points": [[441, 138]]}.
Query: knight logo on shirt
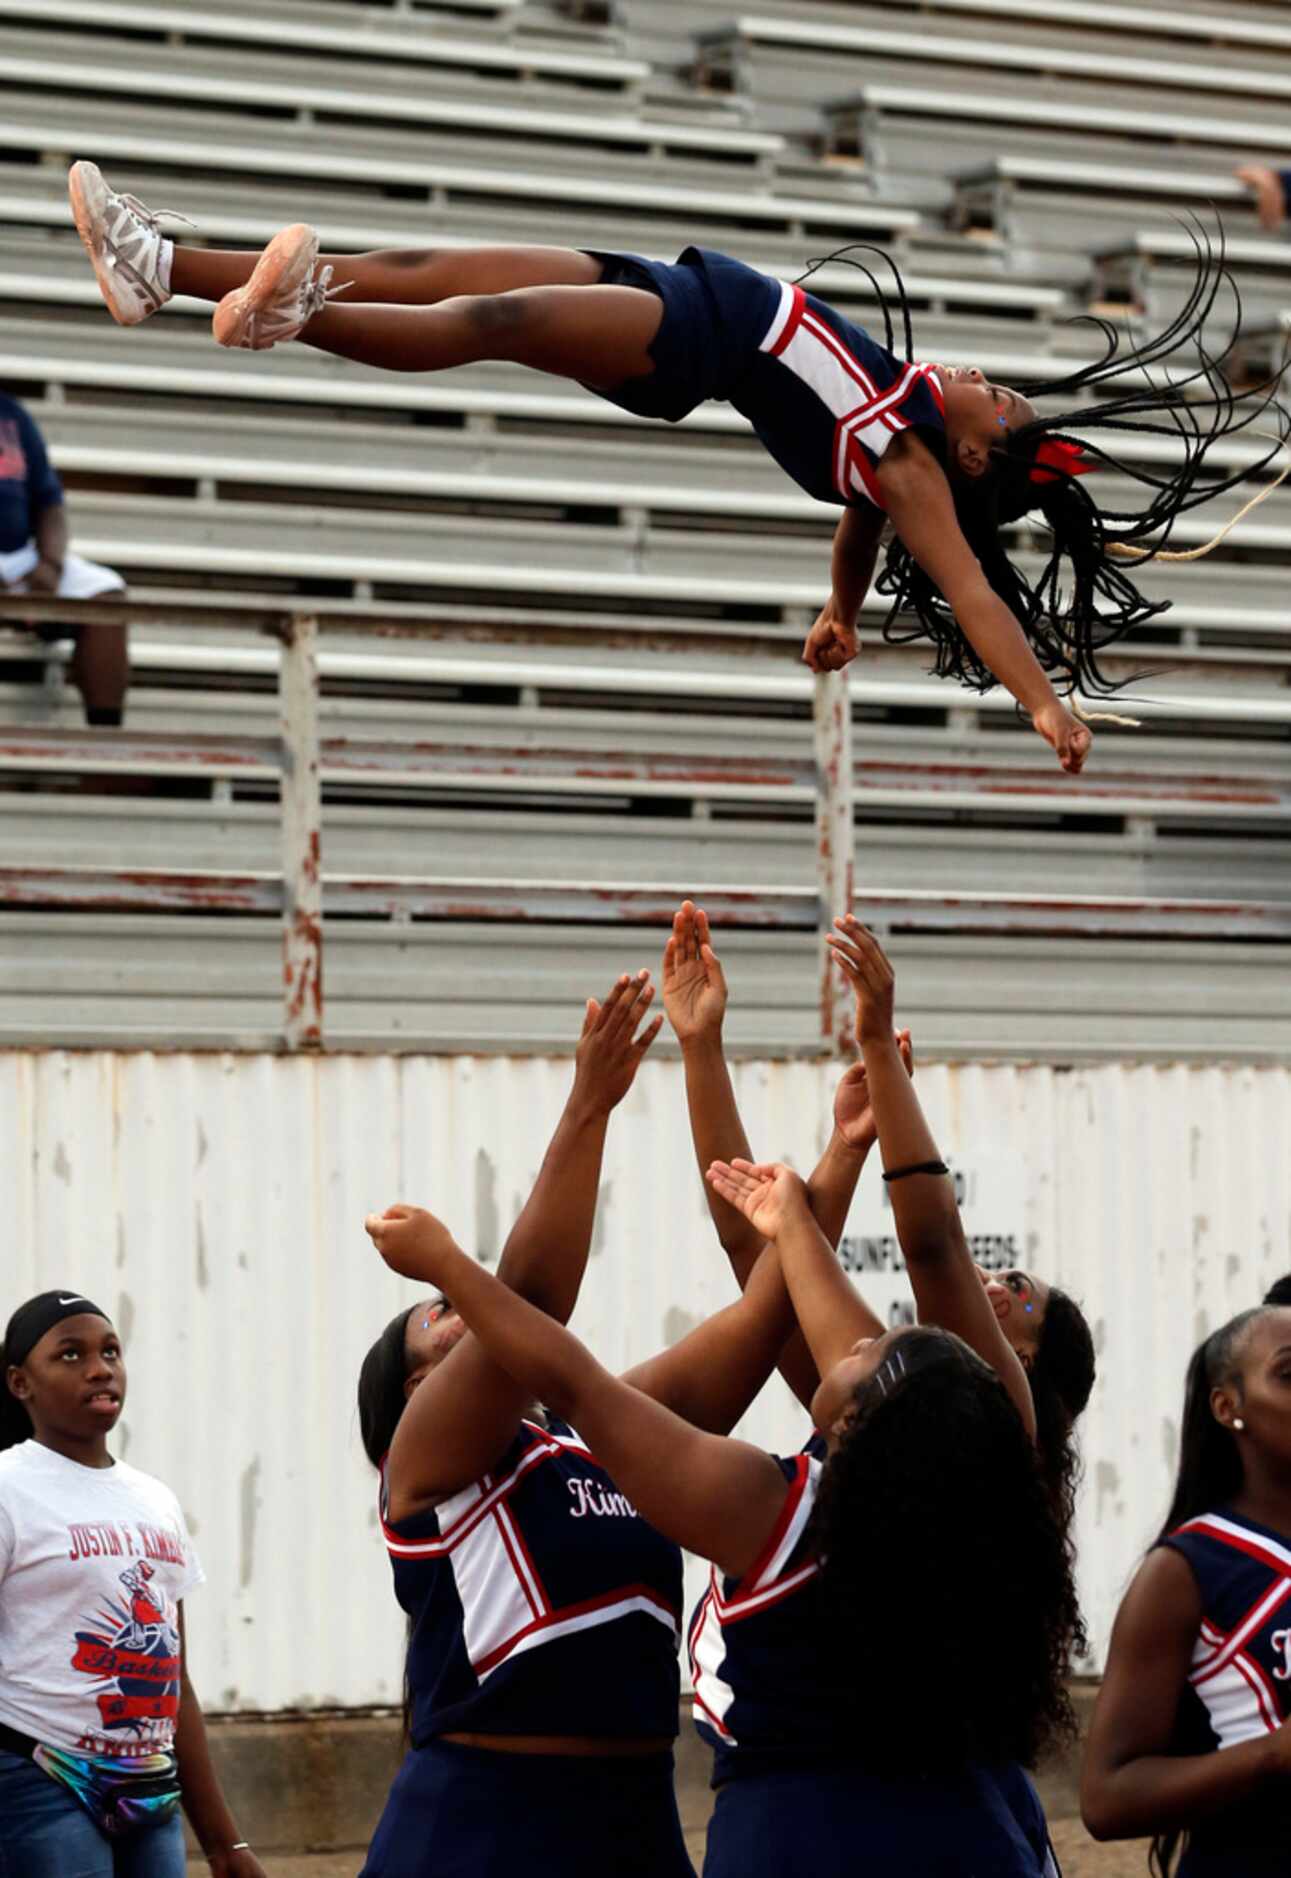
{"points": [[135, 1650]]}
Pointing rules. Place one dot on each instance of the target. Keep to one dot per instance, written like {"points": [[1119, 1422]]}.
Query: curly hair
{"points": [[1062, 1379], [1084, 599], [935, 1460]]}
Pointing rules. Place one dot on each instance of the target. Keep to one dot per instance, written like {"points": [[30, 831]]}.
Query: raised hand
{"points": [[694, 986], [767, 1193], [1266, 186], [830, 644], [411, 1241], [610, 1051], [869, 972], [853, 1116]]}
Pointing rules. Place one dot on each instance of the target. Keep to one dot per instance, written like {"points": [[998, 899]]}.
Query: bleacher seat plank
{"points": [[359, 37], [1212, 29], [1032, 56], [445, 180], [845, 115], [300, 96]]}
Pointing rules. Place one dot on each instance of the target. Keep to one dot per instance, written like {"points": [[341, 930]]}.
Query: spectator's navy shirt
{"points": [[28, 482]]}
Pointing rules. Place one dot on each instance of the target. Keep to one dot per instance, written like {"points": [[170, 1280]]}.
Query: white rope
{"points": [[1121, 551]]}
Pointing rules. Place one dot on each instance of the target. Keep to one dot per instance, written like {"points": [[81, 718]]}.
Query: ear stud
{"points": [[1239, 1424]]}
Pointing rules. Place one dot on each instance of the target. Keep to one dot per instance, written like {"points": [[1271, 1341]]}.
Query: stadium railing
{"points": [[299, 754]]}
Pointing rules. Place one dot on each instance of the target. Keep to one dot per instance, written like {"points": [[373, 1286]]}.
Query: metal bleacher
{"points": [[588, 673]]}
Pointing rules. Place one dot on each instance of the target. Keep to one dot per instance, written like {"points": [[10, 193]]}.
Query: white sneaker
{"points": [[282, 295], [131, 256]]}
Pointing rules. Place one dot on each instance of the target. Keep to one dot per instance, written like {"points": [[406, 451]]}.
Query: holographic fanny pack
{"points": [[123, 1794]]}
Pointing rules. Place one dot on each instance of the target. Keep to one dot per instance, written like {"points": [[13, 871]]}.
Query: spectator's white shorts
{"points": [[82, 579]]}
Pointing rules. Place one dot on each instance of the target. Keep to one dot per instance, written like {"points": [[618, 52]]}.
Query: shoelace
{"points": [[152, 218], [321, 289]]}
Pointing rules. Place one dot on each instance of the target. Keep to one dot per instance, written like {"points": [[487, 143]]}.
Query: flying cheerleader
{"points": [[940, 453]]}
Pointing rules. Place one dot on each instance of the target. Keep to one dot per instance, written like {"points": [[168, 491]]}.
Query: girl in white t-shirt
{"points": [[101, 1736]]}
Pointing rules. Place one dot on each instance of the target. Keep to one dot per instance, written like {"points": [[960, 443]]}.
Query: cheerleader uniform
{"points": [[825, 399], [778, 1708], [1238, 1686], [539, 1603]]}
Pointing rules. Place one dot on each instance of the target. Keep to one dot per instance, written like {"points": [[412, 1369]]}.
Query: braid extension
{"points": [[1084, 600]]}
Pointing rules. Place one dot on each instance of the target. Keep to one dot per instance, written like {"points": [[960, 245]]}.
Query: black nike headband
{"points": [[31, 1320]]}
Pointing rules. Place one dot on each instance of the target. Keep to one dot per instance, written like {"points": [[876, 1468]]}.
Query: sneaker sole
{"points": [[283, 267], [87, 193]]}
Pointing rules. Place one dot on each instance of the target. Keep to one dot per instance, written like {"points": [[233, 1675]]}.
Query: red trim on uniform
{"points": [[697, 1621], [1257, 1682], [1252, 1547], [858, 461], [466, 1521], [718, 1727], [929, 373], [849, 362], [758, 1601], [620, 1595], [505, 1533], [792, 324], [793, 1495], [1214, 1662], [518, 1535]]}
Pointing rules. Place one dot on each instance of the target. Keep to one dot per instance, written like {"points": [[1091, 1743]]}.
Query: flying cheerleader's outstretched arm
{"points": [[717, 1497], [832, 641], [922, 510]]}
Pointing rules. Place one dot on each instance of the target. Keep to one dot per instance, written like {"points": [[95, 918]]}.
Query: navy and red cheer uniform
{"points": [[539, 1603], [1239, 1684], [779, 1706], [825, 399]]}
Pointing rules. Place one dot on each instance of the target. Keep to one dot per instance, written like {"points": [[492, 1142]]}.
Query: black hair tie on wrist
{"points": [[918, 1167]]}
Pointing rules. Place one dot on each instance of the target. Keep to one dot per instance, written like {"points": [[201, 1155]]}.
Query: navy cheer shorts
{"points": [[715, 314], [459, 1812], [841, 1822]]}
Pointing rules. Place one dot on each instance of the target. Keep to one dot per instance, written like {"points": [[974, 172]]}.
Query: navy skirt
{"points": [[840, 1822], [716, 312], [459, 1812]]}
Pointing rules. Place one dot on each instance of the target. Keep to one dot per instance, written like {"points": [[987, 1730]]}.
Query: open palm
{"points": [[767, 1194], [694, 987]]}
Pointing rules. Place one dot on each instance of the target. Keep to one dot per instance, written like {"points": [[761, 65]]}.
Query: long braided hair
{"points": [[1085, 598]]}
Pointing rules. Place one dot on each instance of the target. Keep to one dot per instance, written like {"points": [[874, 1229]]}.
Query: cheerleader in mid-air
{"points": [[942, 453]]}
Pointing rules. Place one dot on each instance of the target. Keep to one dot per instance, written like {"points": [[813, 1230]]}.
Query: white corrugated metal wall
{"points": [[214, 1204]]}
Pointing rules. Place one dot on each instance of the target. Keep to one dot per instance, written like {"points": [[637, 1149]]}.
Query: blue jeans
{"points": [[45, 1832]]}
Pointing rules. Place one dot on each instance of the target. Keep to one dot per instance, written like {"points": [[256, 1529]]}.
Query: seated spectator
{"points": [[34, 558], [1270, 189], [1280, 1292]]}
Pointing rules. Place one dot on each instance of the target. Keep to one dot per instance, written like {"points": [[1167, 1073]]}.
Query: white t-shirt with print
{"points": [[93, 1564]]}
